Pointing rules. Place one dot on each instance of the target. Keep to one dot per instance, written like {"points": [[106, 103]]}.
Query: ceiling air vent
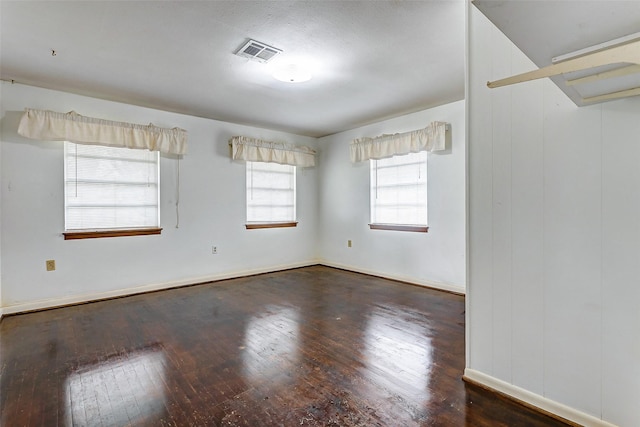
{"points": [[258, 51]]}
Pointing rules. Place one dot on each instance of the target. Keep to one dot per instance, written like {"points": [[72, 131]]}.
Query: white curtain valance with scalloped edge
{"points": [[257, 150], [431, 138], [52, 126]]}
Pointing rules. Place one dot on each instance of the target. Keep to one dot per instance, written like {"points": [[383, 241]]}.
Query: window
{"points": [[110, 189], [271, 195], [399, 192]]}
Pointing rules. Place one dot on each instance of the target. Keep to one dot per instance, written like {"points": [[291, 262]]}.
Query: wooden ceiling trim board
{"points": [[618, 72], [614, 95], [628, 53]]}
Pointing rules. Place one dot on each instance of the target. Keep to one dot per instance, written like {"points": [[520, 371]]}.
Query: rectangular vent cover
{"points": [[258, 51]]}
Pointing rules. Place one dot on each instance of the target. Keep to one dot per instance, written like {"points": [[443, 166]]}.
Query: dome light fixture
{"points": [[292, 73]]}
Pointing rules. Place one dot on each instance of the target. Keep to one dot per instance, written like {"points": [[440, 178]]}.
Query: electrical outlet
{"points": [[349, 243], [214, 250], [51, 264]]}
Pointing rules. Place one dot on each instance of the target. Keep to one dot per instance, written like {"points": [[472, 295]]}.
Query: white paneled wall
{"points": [[620, 294], [1, 308], [554, 240], [526, 246]]}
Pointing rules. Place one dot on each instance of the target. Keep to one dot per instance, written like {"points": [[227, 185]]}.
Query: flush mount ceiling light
{"points": [[292, 73]]}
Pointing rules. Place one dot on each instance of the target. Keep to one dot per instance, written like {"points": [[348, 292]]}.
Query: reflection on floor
{"points": [[313, 346], [103, 393], [271, 342]]}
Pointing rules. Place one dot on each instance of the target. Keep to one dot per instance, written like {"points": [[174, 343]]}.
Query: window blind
{"points": [[271, 192], [399, 190], [110, 188]]}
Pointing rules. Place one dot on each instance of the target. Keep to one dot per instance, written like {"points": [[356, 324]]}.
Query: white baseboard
{"points": [[78, 299], [84, 298], [536, 400], [458, 289]]}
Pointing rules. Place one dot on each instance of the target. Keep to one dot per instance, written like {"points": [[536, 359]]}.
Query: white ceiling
{"points": [[544, 29], [372, 59]]}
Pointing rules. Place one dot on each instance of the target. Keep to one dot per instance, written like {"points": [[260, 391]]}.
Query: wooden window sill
{"points": [[96, 234], [256, 225], [396, 227]]}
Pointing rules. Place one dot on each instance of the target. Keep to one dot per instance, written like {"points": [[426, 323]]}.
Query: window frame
{"points": [[373, 187], [92, 233], [278, 223]]}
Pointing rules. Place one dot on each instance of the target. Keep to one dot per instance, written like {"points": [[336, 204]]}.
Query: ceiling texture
{"points": [[370, 60]]}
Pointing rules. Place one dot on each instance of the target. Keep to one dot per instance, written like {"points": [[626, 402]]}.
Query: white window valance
{"points": [[257, 150], [72, 127], [431, 138]]}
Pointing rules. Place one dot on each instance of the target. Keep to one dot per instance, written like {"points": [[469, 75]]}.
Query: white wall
{"points": [[1, 114], [435, 258], [554, 256], [212, 211]]}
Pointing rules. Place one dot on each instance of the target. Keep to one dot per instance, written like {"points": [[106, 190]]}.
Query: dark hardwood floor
{"points": [[313, 346]]}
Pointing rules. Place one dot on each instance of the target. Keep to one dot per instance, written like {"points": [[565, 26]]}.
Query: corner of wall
{"points": [[447, 287], [344, 207], [467, 38], [2, 113]]}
